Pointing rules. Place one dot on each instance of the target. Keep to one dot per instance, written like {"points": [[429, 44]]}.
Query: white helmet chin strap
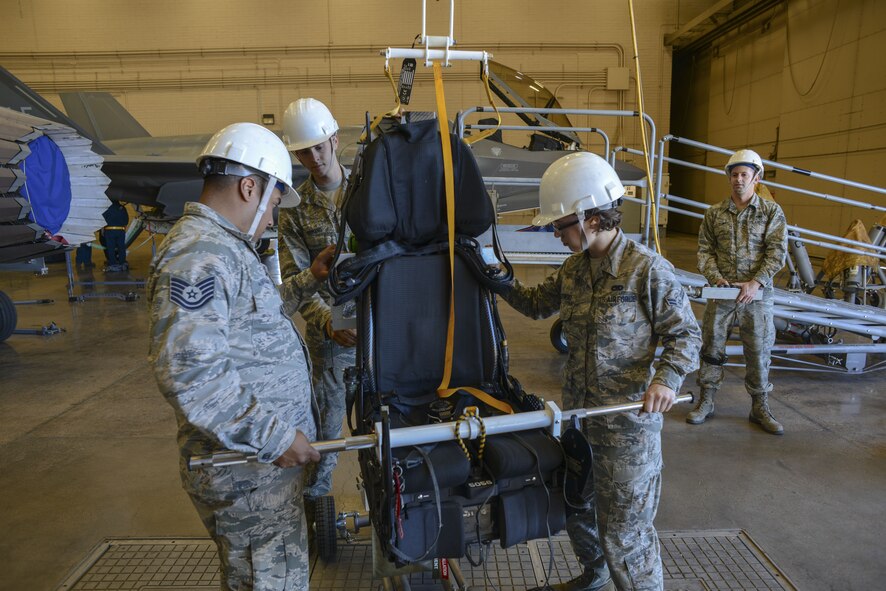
{"points": [[585, 237], [262, 206]]}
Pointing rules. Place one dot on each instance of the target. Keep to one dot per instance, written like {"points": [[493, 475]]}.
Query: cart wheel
{"points": [[8, 316], [558, 339], [326, 531]]}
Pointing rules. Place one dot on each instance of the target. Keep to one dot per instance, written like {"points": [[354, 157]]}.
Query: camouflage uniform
{"points": [[613, 324], [740, 246], [305, 231], [235, 370]]}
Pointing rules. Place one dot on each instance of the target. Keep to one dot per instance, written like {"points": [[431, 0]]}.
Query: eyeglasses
{"points": [[560, 227], [280, 187]]}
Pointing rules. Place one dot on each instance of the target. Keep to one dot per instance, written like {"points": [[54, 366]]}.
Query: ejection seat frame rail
{"points": [[551, 418]]}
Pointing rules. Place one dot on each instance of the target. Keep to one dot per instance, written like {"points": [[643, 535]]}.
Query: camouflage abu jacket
{"points": [[613, 326], [225, 355], [742, 245], [304, 231]]}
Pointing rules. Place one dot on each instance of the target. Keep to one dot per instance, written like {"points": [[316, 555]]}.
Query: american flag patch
{"points": [[191, 297]]}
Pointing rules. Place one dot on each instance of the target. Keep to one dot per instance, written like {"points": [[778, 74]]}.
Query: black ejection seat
{"points": [[448, 499]]}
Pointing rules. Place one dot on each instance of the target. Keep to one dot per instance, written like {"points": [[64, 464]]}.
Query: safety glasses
{"points": [[560, 227]]}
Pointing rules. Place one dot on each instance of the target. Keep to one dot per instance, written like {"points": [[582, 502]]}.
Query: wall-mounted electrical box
{"points": [[617, 78]]}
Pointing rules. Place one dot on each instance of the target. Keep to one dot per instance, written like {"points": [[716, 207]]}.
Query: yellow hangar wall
{"points": [[194, 66], [804, 85]]}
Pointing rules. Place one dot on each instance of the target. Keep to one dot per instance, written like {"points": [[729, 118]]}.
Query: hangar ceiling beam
{"points": [[716, 21]]}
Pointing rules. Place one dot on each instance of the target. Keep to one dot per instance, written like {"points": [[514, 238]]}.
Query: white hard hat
{"points": [[745, 158], [574, 184], [257, 149], [306, 123]]}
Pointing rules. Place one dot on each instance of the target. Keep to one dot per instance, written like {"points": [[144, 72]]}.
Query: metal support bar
{"points": [[720, 171], [725, 293], [691, 214], [659, 171], [436, 54], [803, 349], [798, 229], [460, 119], [519, 181], [550, 418], [38, 266], [43, 331], [596, 130], [788, 168], [881, 249], [512, 181], [808, 309]]}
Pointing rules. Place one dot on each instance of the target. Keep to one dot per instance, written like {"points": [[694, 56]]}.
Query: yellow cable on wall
{"points": [[650, 187]]}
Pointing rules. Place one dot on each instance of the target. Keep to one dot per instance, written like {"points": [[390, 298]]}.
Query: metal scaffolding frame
{"points": [[792, 307]]}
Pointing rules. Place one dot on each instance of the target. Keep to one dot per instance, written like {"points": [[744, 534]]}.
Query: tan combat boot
{"points": [[702, 410], [761, 415]]}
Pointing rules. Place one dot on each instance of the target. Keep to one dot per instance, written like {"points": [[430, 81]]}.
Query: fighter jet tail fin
{"points": [[102, 116], [16, 95]]}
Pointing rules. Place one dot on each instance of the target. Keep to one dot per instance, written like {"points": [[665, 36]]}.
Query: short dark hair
{"points": [[609, 218], [222, 182], [219, 182]]}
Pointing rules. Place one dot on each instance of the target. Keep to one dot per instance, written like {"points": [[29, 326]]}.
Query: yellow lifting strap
{"points": [[395, 112], [486, 132], [444, 390]]}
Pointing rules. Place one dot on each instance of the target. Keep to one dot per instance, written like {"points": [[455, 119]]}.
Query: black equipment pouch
{"points": [[579, 466]]}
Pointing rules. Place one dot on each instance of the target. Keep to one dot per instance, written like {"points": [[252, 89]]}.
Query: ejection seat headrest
{"points": [[401, 196]]}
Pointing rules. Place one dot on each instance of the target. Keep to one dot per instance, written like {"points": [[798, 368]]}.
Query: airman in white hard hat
{"points": [[248, 151], [617, 301], [742, 243], [231, 363], [310, 132]]}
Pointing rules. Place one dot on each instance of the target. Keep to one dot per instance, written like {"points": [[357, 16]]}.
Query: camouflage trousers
{"points": [[757, 336], [329, 390], [616, 530], [260, 534]]}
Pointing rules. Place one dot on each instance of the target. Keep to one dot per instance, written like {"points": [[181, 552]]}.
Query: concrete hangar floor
{"points": [[88, 467]]}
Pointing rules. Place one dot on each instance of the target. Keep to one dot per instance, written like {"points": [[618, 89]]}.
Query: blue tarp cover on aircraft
{"points": [[48, 185]]}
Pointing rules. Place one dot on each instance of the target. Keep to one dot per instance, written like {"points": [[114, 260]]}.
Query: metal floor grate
{"points": [[170, 564], [693, 561]]}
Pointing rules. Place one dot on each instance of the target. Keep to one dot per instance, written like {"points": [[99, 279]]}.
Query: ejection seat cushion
{"points": [[402, 197], [411, 316]]}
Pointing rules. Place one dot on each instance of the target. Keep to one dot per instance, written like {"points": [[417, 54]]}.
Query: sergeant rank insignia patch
{"points": [[191, 297]]}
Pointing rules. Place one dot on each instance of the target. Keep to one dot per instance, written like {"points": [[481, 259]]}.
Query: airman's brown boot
{"points": [[761, 415]]}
